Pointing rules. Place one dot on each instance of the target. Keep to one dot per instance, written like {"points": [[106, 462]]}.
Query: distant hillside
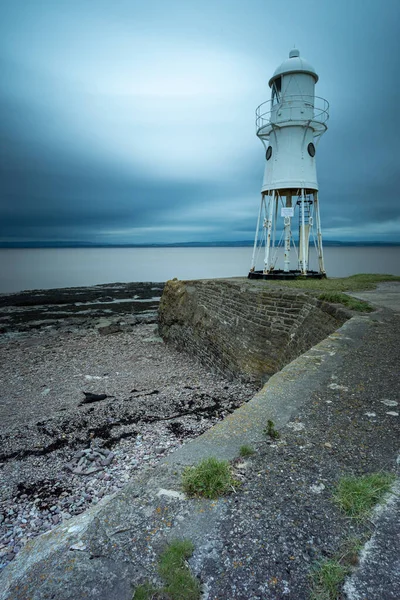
{"points": [[222, 244]]}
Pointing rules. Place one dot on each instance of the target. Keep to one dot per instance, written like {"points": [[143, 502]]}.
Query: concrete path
{"points": [[386, 295], [336, 408]]}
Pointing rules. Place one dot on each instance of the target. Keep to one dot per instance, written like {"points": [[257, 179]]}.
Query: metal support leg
{"points": [[275, 218], [303, 251], [288, 235], [319, 235], [253, 260], [271, 204]]}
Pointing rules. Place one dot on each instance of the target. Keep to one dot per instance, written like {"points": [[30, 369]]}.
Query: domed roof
{"points": [[294, 64]]}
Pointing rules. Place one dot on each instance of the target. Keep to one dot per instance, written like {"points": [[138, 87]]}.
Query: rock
{"points": [[92, 470], [103, 452], [80, 546], [389, 402], [109, 329], [105, 462], [89, 397]]}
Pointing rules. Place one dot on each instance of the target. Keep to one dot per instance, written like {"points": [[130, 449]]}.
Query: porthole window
{"points": [[268, 153], [311, 149]]}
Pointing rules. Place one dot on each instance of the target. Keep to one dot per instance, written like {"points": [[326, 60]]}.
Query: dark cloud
{"points": [[87, 152]]}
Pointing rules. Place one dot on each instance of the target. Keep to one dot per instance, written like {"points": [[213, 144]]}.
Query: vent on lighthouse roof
{"points": [[294, 64]]}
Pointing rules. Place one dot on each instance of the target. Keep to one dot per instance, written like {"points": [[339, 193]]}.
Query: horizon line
{"points": [[228, 244]]}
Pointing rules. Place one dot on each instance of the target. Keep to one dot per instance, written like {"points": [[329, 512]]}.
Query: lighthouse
{"points": [[288, 240]]}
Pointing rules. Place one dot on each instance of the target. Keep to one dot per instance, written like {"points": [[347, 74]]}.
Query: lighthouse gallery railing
{"points": [[311, 110]]}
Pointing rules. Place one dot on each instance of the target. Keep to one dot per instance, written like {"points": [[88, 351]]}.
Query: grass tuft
{"points": [[174, 570], [271, 431], [145, 592], [328, 578], [349, 301], [357, 496], [246, 451], [180, 583], [210, 478]]}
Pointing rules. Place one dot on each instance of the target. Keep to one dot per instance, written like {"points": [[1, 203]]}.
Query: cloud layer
{"points": [[131, 123]]}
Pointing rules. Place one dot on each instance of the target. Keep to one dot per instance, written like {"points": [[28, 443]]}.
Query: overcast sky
{"points": [[127, 121]]}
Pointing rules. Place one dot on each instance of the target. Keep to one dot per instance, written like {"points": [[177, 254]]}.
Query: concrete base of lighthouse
{"points": [[279, 274]]}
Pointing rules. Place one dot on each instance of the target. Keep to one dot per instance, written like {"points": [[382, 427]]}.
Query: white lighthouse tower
{"points": [[290, 125]]}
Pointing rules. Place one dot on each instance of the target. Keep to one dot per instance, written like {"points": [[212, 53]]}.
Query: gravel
{"points": [[59, 456]]}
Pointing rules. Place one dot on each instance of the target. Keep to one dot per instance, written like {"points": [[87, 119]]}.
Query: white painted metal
{"points": [[289, 125], [319, 235], [274, 228], [288, 235], [294, 64], [302, 238], [253, 260], [271, 203], [290, 165]]}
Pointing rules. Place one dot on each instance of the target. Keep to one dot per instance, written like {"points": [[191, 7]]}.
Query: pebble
{"points": [[86, 475], [27, 516]]}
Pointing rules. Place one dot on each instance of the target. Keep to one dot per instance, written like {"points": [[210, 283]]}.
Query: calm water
{"points": [[25, 269]]}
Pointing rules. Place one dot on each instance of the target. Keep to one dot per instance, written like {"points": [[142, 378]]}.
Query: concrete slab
{"points": [[386, 295], [278, 400]]}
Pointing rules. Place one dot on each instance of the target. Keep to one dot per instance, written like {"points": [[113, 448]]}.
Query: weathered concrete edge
{"points": [[278, 400], [378, 570]]}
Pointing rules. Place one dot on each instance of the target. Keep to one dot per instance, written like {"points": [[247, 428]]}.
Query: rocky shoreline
{"points": [[60, 454], [69, 308]]}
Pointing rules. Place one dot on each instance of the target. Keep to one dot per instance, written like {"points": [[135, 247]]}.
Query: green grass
{"points": [[271, 431], [179, 582], [357, 496], [246, 451], [327, 577], [349, 301], [354, 283], [210, 478], [145, 592]]}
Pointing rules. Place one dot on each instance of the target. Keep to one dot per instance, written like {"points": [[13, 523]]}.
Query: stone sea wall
{"points": [[244, 328]]}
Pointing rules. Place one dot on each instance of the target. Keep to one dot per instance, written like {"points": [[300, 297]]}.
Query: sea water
{"points": [[46, 268]]}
